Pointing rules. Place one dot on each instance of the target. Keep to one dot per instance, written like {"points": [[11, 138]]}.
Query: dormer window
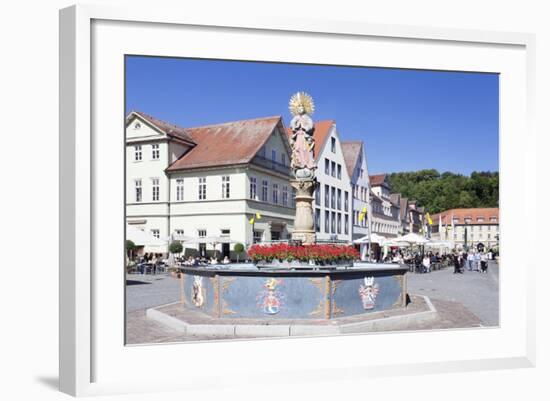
{"points": [[333, 144]]}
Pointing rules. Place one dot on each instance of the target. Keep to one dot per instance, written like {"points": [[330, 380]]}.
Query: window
{"points": [[327, 194], [327, 166], [273, 158], [333, 145], [333, 169], [252, 187], [339, 199], [333, 197], [137, 153], [361, 173], [339, 172], [156, 189], [155, 233], [257, 236], [293, 198], [317, 220], [467, 220], [346, 224], [202, 188], [283, 159], [346, 200], [332, 222], [480, 219], [327, 221], [201, 232], [264, 190], [262, 152], [275, 194], [285, 195], [155, 148], [178, 232], [179, 189], [225, 232], [318, 196], [137, 184], [225, 187], [339, 223]]}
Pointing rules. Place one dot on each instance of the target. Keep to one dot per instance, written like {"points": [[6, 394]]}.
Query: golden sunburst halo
{"points": [[301, 99]]}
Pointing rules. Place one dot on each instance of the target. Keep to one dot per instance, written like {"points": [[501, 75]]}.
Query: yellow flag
{"points": [[364, 210], [361, 216], [258, 216], [251, 221], [429, 218]]}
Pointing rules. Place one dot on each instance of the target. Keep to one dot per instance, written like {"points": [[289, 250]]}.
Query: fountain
{"points": [[300, 279]]}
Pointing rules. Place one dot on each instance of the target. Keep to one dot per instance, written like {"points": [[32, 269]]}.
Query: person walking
{"points": [[477, 260], [484, 263], [456, 262], [470, 260]]}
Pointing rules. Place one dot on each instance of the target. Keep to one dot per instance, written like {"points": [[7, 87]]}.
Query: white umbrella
{"points": [[412, 238], [374, 238], [142, 238]]}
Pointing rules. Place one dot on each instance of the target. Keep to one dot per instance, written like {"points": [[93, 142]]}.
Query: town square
{"points": [[275, 226]]}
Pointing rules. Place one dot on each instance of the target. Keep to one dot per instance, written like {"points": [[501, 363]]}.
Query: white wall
{"points": [[333, 182]]}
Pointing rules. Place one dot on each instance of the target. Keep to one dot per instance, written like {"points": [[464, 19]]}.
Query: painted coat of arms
{"points": [[198, 292], [368, 291], [269, 298]]}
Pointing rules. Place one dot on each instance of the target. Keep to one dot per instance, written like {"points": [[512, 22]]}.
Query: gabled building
{"points": [[210, 180], [356, 164], [385, 212], [404, 213]]}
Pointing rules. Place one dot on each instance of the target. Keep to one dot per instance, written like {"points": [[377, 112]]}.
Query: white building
{"points": [[209, 181], [469, 227], [356, 164], [332, 205], [385, 213]]}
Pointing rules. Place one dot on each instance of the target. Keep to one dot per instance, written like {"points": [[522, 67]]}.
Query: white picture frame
{"points": [[92, 363]]}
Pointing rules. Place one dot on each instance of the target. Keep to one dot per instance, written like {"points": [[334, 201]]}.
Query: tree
{"points": [[130, 246], [175, 247], [238, 248]]}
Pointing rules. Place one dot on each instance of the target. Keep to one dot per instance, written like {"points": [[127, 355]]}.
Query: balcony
{"points": [[271, 165]]}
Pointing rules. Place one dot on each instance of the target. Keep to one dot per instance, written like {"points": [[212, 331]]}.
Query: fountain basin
{"points": [[245, 291]]}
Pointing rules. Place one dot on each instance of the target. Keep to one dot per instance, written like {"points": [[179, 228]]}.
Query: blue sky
{"points": [[408, 119]]}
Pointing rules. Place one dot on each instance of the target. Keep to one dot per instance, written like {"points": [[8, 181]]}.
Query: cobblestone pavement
{"points": [[462, 301], [477, 292], [146, 291]]}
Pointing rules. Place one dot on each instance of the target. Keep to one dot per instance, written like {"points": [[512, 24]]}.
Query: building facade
{"points": [[332, 205], [467, 227], [385, 212], [356, 164], [214, 183]]}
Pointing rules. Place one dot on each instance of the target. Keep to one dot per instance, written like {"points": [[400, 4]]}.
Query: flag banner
{"points": [[361, 216], [258, 216], [251, 221], [429, 218], [364, 210]]}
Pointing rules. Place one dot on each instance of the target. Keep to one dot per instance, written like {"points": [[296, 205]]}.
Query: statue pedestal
{"points": [[304, 229]]}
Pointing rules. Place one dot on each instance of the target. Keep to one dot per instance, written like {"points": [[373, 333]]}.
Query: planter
{"points": [[296, 264]]}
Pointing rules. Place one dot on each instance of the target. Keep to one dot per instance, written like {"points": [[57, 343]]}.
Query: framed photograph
{"points": [[248, 199]]}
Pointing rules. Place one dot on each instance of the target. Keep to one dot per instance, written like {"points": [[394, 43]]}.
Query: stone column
{"points": [[304, 229]]}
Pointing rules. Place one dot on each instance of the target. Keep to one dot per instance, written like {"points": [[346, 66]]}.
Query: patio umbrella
{"points": [[412, 239], [142, 238], [380, 240]]}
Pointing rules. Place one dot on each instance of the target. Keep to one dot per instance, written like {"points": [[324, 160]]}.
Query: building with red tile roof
{"points": [[467, 226], [229, 179]]}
